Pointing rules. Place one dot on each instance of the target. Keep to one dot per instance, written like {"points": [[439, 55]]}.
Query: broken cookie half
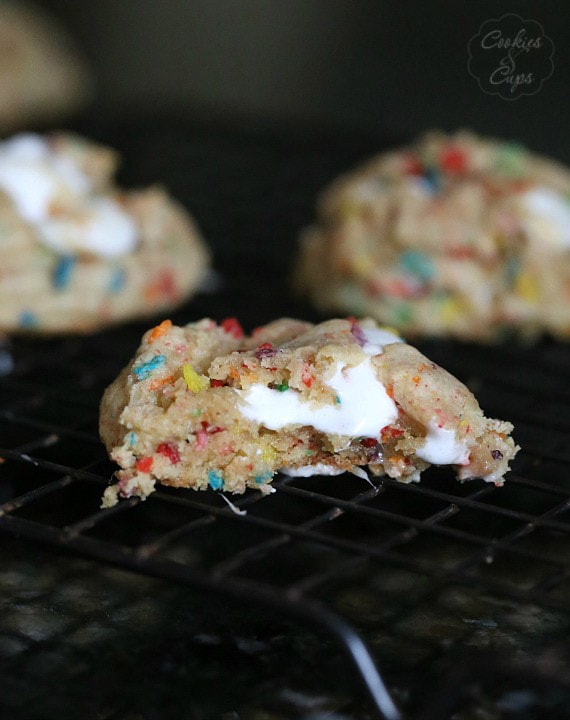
{"points": [[204, 405]]}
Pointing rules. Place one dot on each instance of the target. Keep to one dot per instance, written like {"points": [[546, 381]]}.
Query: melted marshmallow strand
{"points": [[363, 405], [36, 177]]}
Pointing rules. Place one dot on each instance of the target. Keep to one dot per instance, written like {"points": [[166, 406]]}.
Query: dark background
{"points": [[386, 68]]}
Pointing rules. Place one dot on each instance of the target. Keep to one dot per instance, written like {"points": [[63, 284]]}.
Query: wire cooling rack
{"points": [[444, 596]]}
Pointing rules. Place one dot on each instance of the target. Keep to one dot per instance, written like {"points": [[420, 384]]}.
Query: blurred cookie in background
{"points": [[455, 235], [76, 252], [43, 77]]}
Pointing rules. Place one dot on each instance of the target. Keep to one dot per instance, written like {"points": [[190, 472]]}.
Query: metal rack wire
{"points": [[412, 579]]}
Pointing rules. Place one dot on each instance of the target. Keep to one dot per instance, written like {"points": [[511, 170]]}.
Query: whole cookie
{"points": [[204, 406], [454, 236], [77, 253]]}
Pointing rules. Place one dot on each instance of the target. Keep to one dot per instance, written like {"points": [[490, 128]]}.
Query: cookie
{"points": [[205, 406], [76, 252], [455, 236], [43, 77]]}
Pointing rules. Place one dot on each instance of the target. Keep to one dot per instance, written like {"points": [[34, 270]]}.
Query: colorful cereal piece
{"points": [[265, 350], [418, 264], [449, 309], [170, 451], [63, 271], [144, 465], [527, 287], [117, 280], [432, 180], [194, 381], [268, 454], [263, 478], [511, 159], [143, 370], [159, 330], [215, 480], [232, 326], [411, 165], [402, 313], [453, 160], [28, 319]]}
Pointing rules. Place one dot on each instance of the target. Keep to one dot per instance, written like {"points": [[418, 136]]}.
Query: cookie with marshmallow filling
{"points": [[76, 252], [455, 235], [205, 406]]}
